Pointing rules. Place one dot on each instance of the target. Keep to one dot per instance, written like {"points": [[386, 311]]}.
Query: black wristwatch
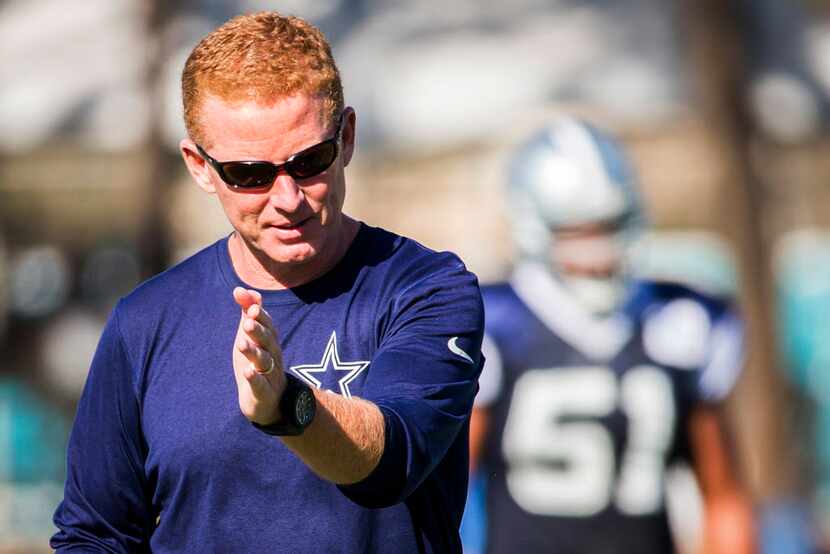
{"points": [[297, 407]]}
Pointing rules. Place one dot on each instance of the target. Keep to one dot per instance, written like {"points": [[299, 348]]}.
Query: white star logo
{"points": [[331, 357]]}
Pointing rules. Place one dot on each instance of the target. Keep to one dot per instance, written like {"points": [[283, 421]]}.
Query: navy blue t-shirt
{"points": [[160, 457]]}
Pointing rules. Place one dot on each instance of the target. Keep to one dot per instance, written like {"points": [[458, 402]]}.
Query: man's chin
{"points": [[291, 254]]}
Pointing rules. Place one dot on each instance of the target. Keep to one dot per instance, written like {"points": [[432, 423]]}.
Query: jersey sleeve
{"points": [[699, 334], [424, 378], [490, 381], [725, 358], [105, 508]]}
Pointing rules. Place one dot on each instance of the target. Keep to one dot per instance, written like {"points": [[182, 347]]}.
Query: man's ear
{"points": [[197, 166], [349, 134]]}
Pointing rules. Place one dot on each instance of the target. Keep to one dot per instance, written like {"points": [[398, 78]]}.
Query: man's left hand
{"points": [[257, 360]]}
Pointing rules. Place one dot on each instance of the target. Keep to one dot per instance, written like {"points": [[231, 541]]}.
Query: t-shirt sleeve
{"points": [[423, 378], [725, 358], [490, 381], [105, 508]]}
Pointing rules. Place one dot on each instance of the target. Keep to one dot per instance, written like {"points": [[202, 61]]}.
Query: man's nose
{"points": [[285, 194]]}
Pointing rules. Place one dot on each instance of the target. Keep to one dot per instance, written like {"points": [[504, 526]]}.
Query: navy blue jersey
{"points": [[161, 459], [587, 413]]}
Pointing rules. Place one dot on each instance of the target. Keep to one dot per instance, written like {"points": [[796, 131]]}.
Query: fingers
{"points": [[262, 405], [255, 320], [246, 297], [263, 372], [262, 336], [262, 361], [257, 339], [258, 313]]}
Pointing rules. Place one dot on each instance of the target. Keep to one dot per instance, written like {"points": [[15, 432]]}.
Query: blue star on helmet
{"points": [[331, 358]]}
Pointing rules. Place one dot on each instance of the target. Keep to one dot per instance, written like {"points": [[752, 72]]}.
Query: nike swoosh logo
{"points": [[455, 349]]}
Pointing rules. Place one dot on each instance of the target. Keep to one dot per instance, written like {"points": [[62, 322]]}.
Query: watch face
{"points": [[304, 407]]}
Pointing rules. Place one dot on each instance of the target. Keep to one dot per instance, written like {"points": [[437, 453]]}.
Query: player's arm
{"points": [[489, 390], [479, 423], [105, 508], [729, 526], [419, 392]]}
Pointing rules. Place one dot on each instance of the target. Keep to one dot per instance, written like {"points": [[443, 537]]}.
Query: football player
{"points": [[595, 382]]}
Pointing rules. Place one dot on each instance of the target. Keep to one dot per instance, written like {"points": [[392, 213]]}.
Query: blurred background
{"points": [[724, 105]]}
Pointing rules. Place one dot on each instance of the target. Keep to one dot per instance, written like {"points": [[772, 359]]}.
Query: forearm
{"points": [[478, 431], [728, 524], [345, 441]]}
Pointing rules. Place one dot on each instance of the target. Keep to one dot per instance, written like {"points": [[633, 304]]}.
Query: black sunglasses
{"points": [[260, 174]]}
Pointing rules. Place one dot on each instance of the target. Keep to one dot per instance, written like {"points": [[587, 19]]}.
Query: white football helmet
{"points": [[570, 175]]}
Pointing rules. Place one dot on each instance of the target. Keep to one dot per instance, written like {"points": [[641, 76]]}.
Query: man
{"points": [[594, 382], [303, 385]]}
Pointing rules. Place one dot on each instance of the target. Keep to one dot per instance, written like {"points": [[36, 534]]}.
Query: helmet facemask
{"points": [[591, 264]]}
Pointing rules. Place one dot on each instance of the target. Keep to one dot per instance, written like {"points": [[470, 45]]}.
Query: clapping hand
{"points": [[257, 360]]}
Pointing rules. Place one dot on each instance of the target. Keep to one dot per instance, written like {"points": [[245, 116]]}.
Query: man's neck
{"points": [[258, 271]]}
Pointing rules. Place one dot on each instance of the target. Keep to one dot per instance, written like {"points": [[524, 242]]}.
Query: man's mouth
{"points": [[293, 225]]}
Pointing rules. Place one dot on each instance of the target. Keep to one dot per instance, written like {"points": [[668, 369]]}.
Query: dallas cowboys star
{"points": [[331, 359]]}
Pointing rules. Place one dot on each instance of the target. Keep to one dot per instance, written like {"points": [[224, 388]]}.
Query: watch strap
{"points": [[297, 409]]}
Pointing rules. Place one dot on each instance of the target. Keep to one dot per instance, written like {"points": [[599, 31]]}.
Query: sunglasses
{"points": [[260, 174]]}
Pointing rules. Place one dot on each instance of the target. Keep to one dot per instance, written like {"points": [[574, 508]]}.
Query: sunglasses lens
{"points": [[252, 175], [313, 161]]}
